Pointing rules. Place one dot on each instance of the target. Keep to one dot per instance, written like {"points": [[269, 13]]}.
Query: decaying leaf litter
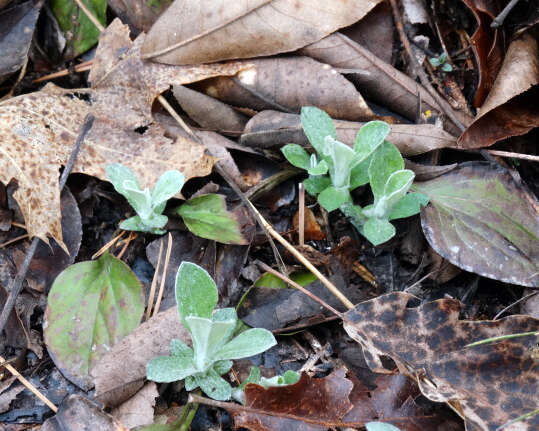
{"points": [[238, 76]]}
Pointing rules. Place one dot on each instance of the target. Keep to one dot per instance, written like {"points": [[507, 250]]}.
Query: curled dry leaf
{"points": [[313, 231], [487, 46], [203, 31], [114, 381], [39, 129], [309, 404], [287, 84], [378, 80], [511, 108], [480, 220], [493, 383], [208, 112], [139, 409], [274, 129]]}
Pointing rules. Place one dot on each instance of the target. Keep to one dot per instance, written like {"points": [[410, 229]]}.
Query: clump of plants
{"points": [[205, 215], [213, 334], [335, 169]]}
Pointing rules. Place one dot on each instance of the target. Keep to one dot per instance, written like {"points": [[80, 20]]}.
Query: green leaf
{"points": [[380, 426], [482, 221], [369, 138], [248, 343], [296, 156], [214, 385], [206, 216], [117, 174], [190, 383], [447, 67], [435, 62], [316, 184], [386, 160], [196, 292], [331, 198], [378, 231], [140, 200], [359, 176], [253, 377], [291, 377], [224, 314], [408, 206], [136, 224], [168, 185], [222, 367], [208, 337], [81, 34], [90, 307], [317, 169], [340, 159], [303, 278], [179, 348], [168, 369], [316, 126], [399, 182]]}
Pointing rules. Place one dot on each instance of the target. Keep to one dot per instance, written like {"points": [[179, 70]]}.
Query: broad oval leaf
{"points": [[386, 160], [168, 184], [90, 307], [378, 231], [482, 221], [408, 206], [206, 216], [317, 125], [214, 385], [196, 292], [370, 137], [332, 198], [248, 343], [297, 156], [168, 369], [204, 31]]}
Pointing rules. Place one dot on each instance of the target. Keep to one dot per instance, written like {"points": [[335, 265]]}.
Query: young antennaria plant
{"points": [[372, 160], [212, 335], [148, 205]]}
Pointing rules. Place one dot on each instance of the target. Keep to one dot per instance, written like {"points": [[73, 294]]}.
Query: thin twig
{"points": [[16, 285], [514, 155], [163, 275], [27, 384], [418, 70], [154, 281], [299, 287], [498, 21], [515, 303], [90, 15], [132, 235], [108, 245], [11, 241]]}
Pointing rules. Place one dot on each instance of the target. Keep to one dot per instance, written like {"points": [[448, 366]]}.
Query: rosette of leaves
{"points": [[212, 333], [149, 206], [336, 169]]}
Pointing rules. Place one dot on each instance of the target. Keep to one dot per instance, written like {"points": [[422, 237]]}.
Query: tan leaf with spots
{"points": [[494, 383], [38, 130]]}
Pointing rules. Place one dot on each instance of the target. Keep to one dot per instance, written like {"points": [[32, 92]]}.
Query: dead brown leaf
{"points": [[76, 413], [121, 372], [138, 14], [487, 45], [274, 129], [201, 31], [493, 383], [41, 129], [310, 404], [376, 79], [313, 231], [139, 409], [208, 112], [287, 84], [511, 108]]}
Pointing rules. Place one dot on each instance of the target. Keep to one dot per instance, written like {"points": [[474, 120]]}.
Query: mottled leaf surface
{"points": [[90, 307], [482, 221], [493, 383]]}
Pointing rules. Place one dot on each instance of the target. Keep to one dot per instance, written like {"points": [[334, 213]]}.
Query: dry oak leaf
{"points": [[205, 31], [38, 130], [511, 108], [493, 383], [310, 404]]}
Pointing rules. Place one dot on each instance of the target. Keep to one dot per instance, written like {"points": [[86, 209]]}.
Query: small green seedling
{"points": [[211, 332], [441, 62], [372, 160], [148, 205], [290, 377]]}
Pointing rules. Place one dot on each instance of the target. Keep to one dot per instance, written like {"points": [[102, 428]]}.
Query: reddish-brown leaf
{"points": [[313, 231], [309, 404], [493, 383]]}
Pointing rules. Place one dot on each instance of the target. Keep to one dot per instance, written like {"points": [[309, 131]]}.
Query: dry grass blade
{"points": [[108, 245], [154, 281], [164, 275]]}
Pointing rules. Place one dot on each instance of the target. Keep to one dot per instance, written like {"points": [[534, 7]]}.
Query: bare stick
{"points": [[164, 275], [514, 155], [11, 241], [498, 21], [108, 245], [301, 226], [16, 285], [29, 386], [299, 287], [304, 261], [154, 281], [90, 15]]}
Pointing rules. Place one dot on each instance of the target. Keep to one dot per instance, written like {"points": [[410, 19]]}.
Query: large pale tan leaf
{"points": [[204, 31], [512, 106], [274, 129], [376, 79], [38, 130], [287, 84]]}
